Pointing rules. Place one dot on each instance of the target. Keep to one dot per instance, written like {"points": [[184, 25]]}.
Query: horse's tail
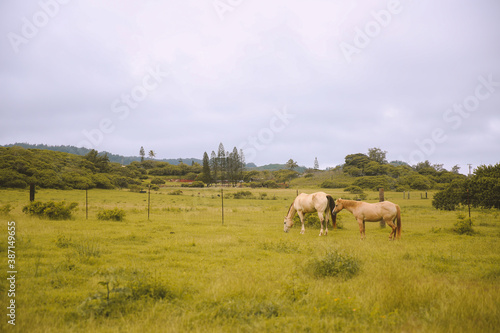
{"points": [[398, 225], [331, 206]]}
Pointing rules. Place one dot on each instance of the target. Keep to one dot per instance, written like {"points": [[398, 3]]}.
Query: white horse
{"points": [[308, 203]]}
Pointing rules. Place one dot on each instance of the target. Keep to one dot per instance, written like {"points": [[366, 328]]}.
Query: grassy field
{"points": [[186, 271]]}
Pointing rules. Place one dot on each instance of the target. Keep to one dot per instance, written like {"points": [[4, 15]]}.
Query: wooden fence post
{"points": [[32, 192], [222, 202]]}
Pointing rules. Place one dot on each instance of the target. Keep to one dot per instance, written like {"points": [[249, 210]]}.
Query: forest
{"points": [[20, 167]]}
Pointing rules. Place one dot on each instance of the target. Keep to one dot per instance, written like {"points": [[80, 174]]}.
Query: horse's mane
{"points": [[290, 208], [349, 203]]}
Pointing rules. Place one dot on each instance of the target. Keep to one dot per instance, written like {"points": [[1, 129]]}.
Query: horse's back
{"points": [[377, 211], [311, 202]]}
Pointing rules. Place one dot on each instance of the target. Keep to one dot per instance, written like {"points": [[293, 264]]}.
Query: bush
{"points": [[334, 264], [354, 189], [51, 210], [242, 195], [332, 184], [270, 184], [5, 209], [157, 181], [375, 182], [175, 192], [111, 214], [464, 225]]}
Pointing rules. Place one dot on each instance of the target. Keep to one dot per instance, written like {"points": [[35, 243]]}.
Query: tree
{"points": [[101, 162], [214, 166], [377, 155], [151, 154], [291, 164], [482, 189], [142, 153], [316, 164], [205, 176], [221, 162]]}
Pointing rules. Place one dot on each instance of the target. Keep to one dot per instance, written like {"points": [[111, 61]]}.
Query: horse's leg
{"points": [[301, 215], [361, 224], [321, 219], [393, 232], [327, 218]]}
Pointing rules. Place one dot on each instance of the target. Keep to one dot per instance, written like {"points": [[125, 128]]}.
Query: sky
{"points": [[280, 80]]}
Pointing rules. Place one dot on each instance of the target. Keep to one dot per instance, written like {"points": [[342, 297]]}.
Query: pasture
{"points": [[185, 271]]}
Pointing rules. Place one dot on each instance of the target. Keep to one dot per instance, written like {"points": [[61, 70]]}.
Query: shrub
{"points": [[464, 225], [5, 209], [157, 181], [354, 189], [51, 210], [243, 195], [270, 184], [175, 192], [332, 184], [334, 264], [375, 182], [111, 214], [196, 183]]}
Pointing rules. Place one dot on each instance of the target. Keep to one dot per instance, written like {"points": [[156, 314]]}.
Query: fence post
{"points": [[32, 192], [149, 199], [87, 203], [380, 199], [222, 198]]}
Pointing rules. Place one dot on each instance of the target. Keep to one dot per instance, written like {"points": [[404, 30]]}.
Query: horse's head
{"points": [[338, 206], [287, 224]]}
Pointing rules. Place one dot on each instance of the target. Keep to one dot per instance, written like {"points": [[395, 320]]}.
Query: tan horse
{"points": [[372, 212], [308, 203]]}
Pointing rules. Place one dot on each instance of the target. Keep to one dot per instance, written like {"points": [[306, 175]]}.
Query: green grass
{"points": [[183, 270]]}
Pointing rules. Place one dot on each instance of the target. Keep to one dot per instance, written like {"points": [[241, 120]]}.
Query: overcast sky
{"points": [[279, 79]]}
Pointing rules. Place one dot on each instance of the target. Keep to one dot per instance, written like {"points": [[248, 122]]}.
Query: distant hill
{"points": [[124, 160], [274, 167]]}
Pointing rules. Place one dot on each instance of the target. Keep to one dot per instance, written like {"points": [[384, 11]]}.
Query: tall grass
{"points": [[183, 270]]}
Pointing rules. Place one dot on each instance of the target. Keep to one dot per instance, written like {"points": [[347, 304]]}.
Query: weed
{"points": [[87, 249], [464, 225], [118, 300], [51, 210], [63, 242], [5, 209], [111, 214], [334, 263]]}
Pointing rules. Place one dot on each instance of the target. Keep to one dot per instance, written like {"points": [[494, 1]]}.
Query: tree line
{"points": [[20, 167], [223, 166]]}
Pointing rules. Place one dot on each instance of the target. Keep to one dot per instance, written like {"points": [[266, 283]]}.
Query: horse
{"points": [[372, 212], [308, 203]]}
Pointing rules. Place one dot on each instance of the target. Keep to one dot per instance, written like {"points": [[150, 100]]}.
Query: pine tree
{"points": [[142, 153], [222, 162], [214, 165], [206, 178]]}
